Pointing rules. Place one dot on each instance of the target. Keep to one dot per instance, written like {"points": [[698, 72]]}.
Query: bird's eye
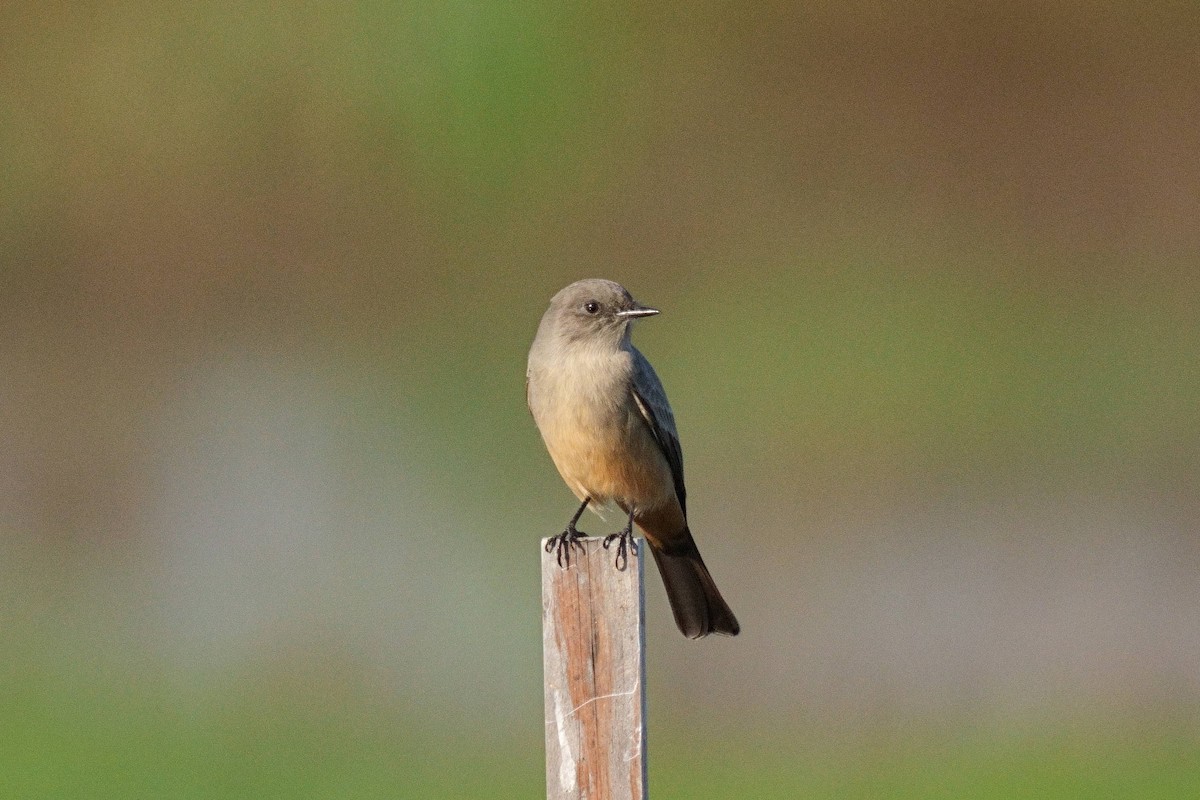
{"points": [[591, 307]]}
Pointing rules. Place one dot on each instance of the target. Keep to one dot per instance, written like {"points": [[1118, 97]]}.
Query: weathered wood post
{"points": [[594, 654]]}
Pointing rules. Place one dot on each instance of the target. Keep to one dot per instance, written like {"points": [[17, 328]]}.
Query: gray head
{"points": [[592, 311]]}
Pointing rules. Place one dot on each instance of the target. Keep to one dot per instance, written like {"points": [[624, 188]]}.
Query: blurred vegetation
{"points": [[267, 279], [246, 740]]}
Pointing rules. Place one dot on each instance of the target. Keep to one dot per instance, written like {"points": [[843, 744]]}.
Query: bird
{"points": [[604, 417]]}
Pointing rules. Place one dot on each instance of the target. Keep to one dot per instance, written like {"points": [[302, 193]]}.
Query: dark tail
{"points": [[698, 607]]}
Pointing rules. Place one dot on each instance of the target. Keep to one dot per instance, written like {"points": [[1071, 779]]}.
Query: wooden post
{"points": [[594, 654]]}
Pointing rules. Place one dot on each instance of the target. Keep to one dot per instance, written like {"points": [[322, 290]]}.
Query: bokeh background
{"points": [[270, 498]]}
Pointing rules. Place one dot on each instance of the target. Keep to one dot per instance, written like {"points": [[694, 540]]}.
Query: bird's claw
{"points": [[561, 546], [625, 546]]}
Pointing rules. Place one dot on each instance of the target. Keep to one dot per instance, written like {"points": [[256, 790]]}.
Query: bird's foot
{"points": [[561, 545], [625, 546]]}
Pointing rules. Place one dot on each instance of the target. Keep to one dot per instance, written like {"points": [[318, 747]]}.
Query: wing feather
{"points": [[651, 401]]}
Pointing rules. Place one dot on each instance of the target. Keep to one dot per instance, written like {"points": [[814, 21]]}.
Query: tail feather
{"points": [[695, 601]]}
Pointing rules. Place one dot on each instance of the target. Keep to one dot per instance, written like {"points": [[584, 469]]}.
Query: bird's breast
{"points": [[596, 437]]}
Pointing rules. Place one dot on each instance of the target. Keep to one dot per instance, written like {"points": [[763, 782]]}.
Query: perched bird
{"points": [[605, 419]]}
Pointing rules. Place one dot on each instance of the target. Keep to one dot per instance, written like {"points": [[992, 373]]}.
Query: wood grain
{"points": [[593, 642]]}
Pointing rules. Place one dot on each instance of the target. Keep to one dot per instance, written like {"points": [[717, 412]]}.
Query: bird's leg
{"points": [[563, 542], [625, 543]]}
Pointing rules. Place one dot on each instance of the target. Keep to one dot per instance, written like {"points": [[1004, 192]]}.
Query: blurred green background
{"points": [[270, 498]]}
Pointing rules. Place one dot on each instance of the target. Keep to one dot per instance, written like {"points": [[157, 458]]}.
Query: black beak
{"points": [[637, 312]]}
